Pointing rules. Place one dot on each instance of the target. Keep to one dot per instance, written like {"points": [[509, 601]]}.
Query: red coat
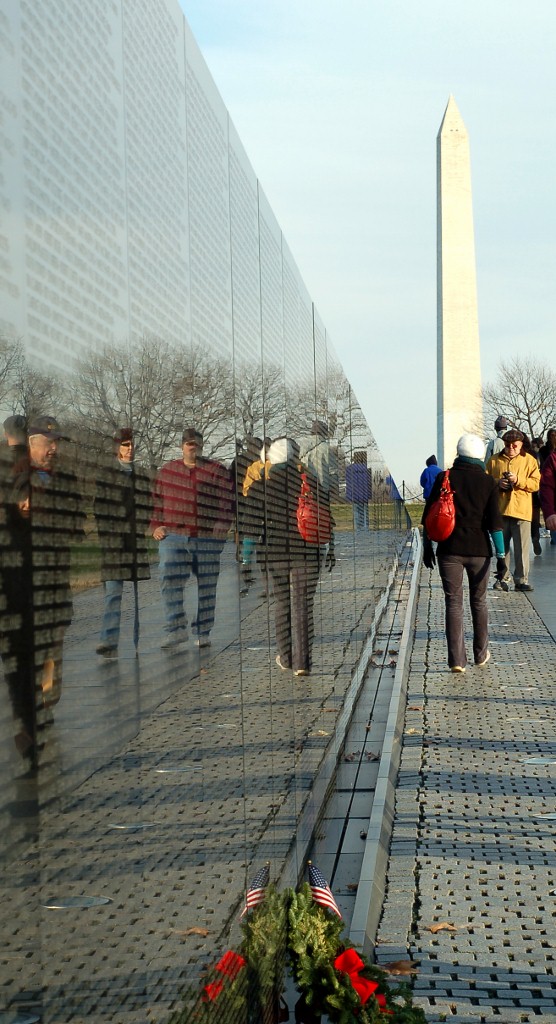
{"points": [[196, 501]]}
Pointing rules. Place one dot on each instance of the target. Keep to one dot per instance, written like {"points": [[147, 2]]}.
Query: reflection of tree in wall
{"points": [[158, 389], [333, 401], [26, 390], [259, 399]]}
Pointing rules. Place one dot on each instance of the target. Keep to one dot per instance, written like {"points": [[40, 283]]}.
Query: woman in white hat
{"points": [[467, 548]]}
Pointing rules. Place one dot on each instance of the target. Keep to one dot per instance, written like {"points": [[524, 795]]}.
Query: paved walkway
{"points": [[473, 843]]}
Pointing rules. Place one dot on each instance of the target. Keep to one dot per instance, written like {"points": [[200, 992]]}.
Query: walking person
{"points": [[429, 475], [293, 563], [248, 522], [193, 511], [517, 476], [122, 509], [496, 444], [50, 500], [467, 549], [548, 493], [545, 454]]}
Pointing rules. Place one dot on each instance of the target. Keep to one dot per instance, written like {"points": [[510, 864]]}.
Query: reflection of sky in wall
{"points": [[339, 114]]}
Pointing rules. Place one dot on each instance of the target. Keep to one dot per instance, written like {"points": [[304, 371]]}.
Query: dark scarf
{"points": [[466, 460]]}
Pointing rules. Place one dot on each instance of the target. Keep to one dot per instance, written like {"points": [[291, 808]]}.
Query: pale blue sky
{"points": [[338, 104]]}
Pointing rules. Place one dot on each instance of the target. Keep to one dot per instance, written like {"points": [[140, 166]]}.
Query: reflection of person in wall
{"points": [[358, 489], [293, 564], [16, 617], [15, 437], [248, 521], [322, 463], [57, 522], [193, 511], [122, 509]]}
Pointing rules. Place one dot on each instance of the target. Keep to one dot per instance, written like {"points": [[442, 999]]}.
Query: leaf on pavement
{"points": [[442, 926], [401, 967], [190, 931]]}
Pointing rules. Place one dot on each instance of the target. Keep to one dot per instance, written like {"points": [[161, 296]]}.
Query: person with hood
{"points": [[496, 444], [292, 563], [517, 476], [467, 549], [429, 475]]}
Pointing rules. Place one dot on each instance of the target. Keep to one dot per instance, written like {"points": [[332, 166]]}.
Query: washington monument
{"points": [[458, 353]]}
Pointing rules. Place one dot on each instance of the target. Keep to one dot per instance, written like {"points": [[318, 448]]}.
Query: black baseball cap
{"points": [[192, 434], [45, 425]]}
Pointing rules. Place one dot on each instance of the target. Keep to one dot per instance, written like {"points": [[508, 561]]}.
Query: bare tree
{"points": [[28, 390], [158, 389], [11, 353], [124, 385], [259, 400], [525, 392]]}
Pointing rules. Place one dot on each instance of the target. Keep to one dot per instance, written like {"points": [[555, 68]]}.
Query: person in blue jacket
{"points": [[429, 475]]}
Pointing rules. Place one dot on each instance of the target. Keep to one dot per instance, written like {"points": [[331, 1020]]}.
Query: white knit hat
{"points": [[471, 446]]}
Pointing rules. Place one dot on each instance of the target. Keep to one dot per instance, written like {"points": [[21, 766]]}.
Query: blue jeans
{"points": [[110, 631], [181, 557]]}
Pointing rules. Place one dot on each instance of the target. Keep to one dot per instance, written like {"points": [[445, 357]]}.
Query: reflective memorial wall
{"points": [[176, 641]]}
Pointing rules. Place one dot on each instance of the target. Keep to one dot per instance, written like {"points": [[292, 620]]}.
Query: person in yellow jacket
{"points": [[518, 477]]}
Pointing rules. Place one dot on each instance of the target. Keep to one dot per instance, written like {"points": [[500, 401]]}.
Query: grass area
{"points": [[85, 557], [382, 516], [415, 511]]}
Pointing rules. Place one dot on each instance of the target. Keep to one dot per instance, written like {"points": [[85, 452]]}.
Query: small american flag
{"points": [[257, 890], [321, 891]]}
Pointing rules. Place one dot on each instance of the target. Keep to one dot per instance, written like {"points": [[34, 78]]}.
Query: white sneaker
{"points": [[481, 664], [457, 668]]}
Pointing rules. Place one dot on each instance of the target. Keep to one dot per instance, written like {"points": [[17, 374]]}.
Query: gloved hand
{"points": [[501, 569], [429, 558]]}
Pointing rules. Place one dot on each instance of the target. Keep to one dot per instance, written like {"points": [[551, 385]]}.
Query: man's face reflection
{"points": [[43, 451]]}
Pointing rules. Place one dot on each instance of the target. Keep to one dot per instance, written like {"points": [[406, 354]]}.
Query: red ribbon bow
{"points": [[351, 963], [229, 964]]}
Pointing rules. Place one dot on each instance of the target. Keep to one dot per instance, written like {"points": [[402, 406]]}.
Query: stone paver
{"points": [[470, 847]]}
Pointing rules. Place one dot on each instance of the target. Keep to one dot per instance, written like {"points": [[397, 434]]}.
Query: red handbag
{"points": [[313, 521], [441, 517]]}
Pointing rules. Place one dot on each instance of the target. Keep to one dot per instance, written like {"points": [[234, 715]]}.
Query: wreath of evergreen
{"points": [[290, 931]]}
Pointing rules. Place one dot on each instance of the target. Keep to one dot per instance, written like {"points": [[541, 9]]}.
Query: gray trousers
{"points": [[451, 568], [518, 530]]}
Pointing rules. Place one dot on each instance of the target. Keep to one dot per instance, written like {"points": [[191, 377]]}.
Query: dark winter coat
{"points": [[122, 509], [548, 486], [477, 510], [278, 495]]}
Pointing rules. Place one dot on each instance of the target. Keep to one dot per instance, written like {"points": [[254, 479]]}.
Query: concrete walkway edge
{"points": [[371, 888]]}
